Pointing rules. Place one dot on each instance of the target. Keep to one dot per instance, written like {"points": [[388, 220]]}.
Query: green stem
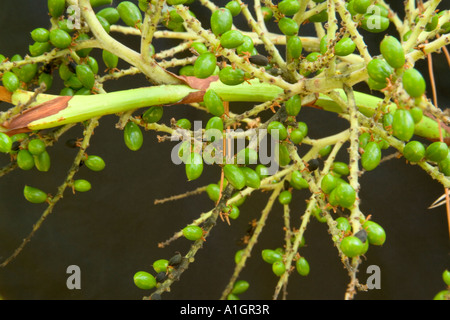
{"points": [[81, 108]]}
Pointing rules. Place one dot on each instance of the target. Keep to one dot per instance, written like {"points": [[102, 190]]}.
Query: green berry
{"points": [[252, 179], [296, 136], [64, 72], [328, 183], [361, 6], [375, 233], [205, 65], [403, 125], [345, 195], [73, 82], [416, 113], [294, 47], [297, 181], [322, 16], [56, 7], [110, 59], [231, 39], [110, 14], [133, 137], [25, 160], [233, 212], [60, 38], [285, 197], [371, 157], [325, 151], [83, 91], [238, 256], [144, 280], [36, 146], [184, 124], [231, 77], [267, 13], [213, 191], [235, 176], [98, 3], [187, 70], [271, 256], [376, 85], [446, 277], [413, 83], [160, 265], [193, 232], [40, 35], [10, 81], [293, 105], [414, 151], [344, 47], [278, 268], [82, 185], [246, 46], [85, 75], [288, 26], [289, 7], [302, 266], [130, 14], [240, 287], [221, 21], [39, 48], [392, 52], [47, 79], [283, 155], [194, 167], [343, 224], [213, 103], [437, 151], [95, 163], [379, 70], [42, 161], [444, 165], [34, 195], [340, 168], [234, 7], [214, 128], [375, 23], [351, 246], [276, 126], [199, 47], [5, 143], [153, 114], [442, 295]]}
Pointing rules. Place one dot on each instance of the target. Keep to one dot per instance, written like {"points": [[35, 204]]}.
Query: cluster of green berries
{"points": [[239, 287], [276, 259], [356, 244], [163, 268], [444, 294], [32, 153]]}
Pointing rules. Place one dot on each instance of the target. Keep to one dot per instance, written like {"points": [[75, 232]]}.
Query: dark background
{"points": [[112, 231]]}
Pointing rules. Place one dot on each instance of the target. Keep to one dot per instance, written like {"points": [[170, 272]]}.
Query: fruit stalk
{"points": [[81, 108]]}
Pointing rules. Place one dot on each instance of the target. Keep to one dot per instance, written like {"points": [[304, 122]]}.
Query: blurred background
{"points": [[113, 231]]}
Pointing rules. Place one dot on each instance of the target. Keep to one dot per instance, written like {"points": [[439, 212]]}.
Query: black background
{"points": [[112, 231]]}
